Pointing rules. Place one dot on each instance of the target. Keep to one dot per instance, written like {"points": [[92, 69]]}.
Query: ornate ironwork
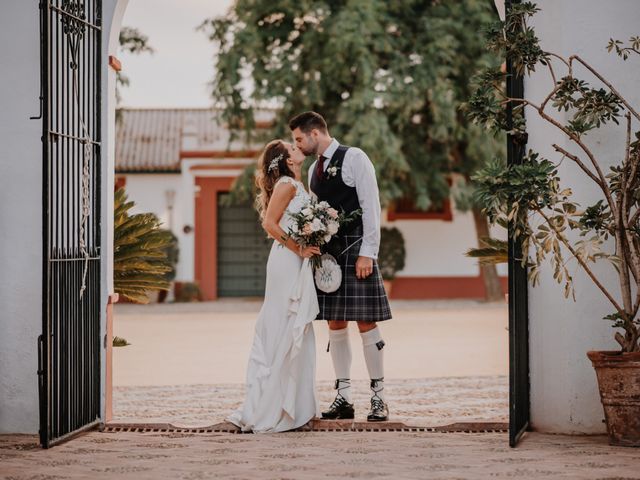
{"points": [[69, 347], [74, 27]]}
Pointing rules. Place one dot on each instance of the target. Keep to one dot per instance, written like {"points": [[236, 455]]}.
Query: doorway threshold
{"points": [[315, 425]]}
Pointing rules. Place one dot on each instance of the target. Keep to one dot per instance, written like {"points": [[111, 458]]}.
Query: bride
{"points": [[280, 381]]}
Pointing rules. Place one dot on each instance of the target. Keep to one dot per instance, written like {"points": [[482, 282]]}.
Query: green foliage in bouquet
{"points": [[534, 199], [140, 262], [392, 254], [316, 223]]}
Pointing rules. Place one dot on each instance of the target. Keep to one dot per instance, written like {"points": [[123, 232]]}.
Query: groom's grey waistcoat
{"points": [[363, 300], [335, 192]]}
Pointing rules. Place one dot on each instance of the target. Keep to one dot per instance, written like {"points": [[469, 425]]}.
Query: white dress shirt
{"points": [[358, 171]]}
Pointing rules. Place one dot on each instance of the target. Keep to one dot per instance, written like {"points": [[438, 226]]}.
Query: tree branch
{"points": [[562, 59], [603, 182], [606, 82], [580, 261], [584, 168]]}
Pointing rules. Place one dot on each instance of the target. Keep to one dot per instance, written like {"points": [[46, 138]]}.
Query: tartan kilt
{"points": [[362, 300]]}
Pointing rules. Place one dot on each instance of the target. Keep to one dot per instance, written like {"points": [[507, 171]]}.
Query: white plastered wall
{"points": [[564, 392], [20, 216]]}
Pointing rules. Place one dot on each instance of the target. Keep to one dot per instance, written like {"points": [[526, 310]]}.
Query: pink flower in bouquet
{"points": [[333, 213], [307, 229]]}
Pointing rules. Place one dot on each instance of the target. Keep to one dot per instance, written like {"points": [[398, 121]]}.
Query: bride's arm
{"points": [[282, 195]]}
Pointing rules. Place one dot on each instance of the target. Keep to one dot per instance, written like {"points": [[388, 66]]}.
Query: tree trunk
{"points": [[489, 273]]}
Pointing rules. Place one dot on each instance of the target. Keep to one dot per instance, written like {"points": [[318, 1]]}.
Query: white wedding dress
{"points": [[280, 382]]}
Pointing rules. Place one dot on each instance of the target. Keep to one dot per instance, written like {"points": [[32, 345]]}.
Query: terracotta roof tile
{"points": [[151, 139]]}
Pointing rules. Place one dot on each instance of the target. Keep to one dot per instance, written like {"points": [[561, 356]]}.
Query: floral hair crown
{"points": [[274, 162]]}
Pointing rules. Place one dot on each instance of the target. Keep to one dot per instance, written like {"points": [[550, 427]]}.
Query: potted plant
{"points": [[173, 252], [187, 292], [539, 206], [391, 256]]}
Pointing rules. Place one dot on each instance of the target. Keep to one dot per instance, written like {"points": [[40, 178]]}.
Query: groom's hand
{"points": [[364, 267]]}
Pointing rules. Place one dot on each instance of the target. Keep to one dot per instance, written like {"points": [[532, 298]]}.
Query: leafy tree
{"points": [[389, 77], [133, 41]]}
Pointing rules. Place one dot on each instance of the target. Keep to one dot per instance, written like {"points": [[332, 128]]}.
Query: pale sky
{"points": [[176, 75]]}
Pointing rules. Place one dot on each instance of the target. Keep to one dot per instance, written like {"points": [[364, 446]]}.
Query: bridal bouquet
{"points": [[316, 223]]}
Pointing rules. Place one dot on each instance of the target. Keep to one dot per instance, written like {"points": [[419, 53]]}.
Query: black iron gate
{"points": [[518, 293], [69, 347]]}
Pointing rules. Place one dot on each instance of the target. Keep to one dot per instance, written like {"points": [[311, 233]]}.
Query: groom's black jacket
{"points": [[342, 197]]}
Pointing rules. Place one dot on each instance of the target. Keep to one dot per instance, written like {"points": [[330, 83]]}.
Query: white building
{"points": [[177, 163], [43, 258]]}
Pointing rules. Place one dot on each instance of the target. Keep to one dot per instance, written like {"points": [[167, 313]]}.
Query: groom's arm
{"points": [[364, 177], [309, 173]]}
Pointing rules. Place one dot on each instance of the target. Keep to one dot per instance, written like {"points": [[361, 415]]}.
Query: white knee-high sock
{"points": [[372, 345], [340, 349]]}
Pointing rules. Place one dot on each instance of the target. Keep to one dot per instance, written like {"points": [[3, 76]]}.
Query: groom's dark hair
{"points": [[307, 121]]}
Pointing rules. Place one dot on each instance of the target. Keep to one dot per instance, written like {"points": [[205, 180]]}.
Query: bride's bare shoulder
{"points": [[285, 179], [285, 186]]}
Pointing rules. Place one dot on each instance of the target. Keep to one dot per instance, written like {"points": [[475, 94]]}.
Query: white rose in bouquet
{"points": [[316, 225], [324, 204], [332, 228], [307, 212]]}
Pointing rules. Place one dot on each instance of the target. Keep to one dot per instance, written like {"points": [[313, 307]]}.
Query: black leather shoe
{"points": [[339, 409], [379, 411]]}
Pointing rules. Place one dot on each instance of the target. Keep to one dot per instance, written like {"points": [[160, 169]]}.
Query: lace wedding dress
{"points": [[280, 382]]}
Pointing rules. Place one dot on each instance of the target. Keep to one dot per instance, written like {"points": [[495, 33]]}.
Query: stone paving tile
{"points": [[419, 402], [312, 455]]}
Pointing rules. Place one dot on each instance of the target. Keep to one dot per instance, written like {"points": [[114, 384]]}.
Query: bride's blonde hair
{"points": [[267, 174]]}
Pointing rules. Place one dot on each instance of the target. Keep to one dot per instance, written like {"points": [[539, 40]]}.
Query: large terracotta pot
{"points": [[619, 381]]}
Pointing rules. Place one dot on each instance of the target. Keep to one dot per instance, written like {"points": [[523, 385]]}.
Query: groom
{"points": [[346, 179]]}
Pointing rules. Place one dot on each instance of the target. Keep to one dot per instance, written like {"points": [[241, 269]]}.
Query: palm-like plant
{"points": [[492, 251], [140, 262]]}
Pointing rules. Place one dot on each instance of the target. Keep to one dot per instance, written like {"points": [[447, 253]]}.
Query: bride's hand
{"points": [[308, 252]]}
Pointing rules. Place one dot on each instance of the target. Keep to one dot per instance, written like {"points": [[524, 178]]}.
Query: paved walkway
{"points": [[446, 362], [311, 455]]}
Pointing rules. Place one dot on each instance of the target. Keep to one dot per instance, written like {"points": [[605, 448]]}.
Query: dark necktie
{"points": [[320, 167]]}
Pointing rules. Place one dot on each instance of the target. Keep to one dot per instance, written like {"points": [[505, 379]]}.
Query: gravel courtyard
{"points": [[445, 362]]}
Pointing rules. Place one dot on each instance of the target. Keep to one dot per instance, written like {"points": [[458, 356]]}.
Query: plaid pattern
{"points": [[356, 300]]}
